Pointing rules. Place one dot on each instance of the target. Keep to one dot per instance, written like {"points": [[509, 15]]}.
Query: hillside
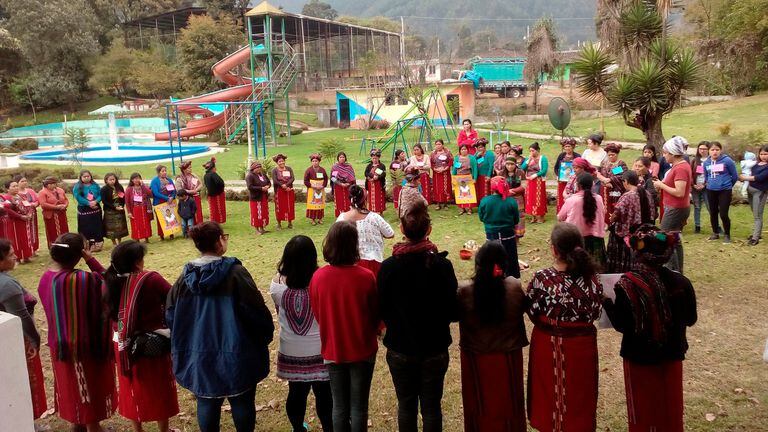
{"points": [[454, 14]]}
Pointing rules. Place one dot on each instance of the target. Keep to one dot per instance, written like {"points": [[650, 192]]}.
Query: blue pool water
{"points": [[125, 153], [57, 141], [93, 127]]}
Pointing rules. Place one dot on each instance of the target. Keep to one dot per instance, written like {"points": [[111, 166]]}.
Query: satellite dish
{"points": [[559, 114]]}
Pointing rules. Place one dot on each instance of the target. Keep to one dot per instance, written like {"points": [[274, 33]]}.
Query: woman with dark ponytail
{"points": [[585, 209], [492, 337], [147, 388], [371, 227], [634, 208], [563, 301]]}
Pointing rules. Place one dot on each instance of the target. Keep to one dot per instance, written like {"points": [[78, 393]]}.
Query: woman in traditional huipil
{"points": [[285, 196], [375, 183], [580, 165], [113, 198], [138, 203], [652, 309], [564, 168], [563, 301], [79, 335], [610, 175], [54, 202], [514, 177], [535, 168], [342, 177], [501, 157], [409, 194], [163, 190], [214, 187], [32, 202], [485, 161], [465, 164], [192, 184], [258, 185], [89, 221], [441, 160], [397, 175], [634, 208], [4, 221], [315, 180], [15, 300], [147, 388], [18, 217], [422, 163]]}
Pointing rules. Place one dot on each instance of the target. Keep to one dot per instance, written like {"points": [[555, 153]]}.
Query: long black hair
{"points": [[299, 262], [357, 198], [125, 256], [589, 209], [489, 290], [633, 179], [118, 186], [567, 241]]}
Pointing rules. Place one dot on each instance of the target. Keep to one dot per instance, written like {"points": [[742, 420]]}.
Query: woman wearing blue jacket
{"points": [[721, 175], [88, 196], [163, 190], [465, 164]]}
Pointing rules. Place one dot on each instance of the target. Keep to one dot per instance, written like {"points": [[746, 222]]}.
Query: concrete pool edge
{"points": [[213, 148]]}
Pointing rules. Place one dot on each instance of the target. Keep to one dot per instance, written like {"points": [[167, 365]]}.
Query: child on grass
{"points": [[187, 210]]}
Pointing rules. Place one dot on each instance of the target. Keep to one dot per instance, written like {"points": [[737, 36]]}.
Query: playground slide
{"points": [[213, 118]]}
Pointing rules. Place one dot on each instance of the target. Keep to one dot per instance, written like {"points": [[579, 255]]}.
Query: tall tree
{"points": [[154, 74], [542, 55], [466, 43], [112, 72], [226, 8], [319, 9], [650, 83], [204, 42]]}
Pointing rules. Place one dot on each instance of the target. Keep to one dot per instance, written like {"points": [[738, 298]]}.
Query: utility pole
{"points": [[402, 42]]}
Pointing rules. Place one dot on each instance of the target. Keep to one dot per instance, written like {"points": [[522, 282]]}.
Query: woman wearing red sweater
{"points": [[343, 298]]}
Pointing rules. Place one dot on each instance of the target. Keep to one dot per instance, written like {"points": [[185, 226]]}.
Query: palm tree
{"points": [[542, 55], [648, 81]]}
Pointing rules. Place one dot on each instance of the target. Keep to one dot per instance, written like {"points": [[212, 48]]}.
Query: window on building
{"points": [[432, 69]]}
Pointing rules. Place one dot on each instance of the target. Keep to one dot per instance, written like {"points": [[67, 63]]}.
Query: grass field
{"points": [[696, 123], [724, 373]]}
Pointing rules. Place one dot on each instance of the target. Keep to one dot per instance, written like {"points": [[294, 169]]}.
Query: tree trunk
{"points": [[653, 132]]}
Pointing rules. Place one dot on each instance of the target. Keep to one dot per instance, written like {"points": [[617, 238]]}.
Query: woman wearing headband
{"points": [[285, 196], [485, 161], [375, 182], [422, 162], [397, 175], [54, 202], [465, 164], [315, 180], [610, 176], [441, 160], [258, 185], [191, 183], [31, 201], [652, 308], [342, 177], [564, 167], [17, 223], [535, 168], [138, 203]]}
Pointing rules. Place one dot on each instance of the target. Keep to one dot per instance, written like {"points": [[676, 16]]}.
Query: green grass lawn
{"points": [[696, 123], [724, 373]]}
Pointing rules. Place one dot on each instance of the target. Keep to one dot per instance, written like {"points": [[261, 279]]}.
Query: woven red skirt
{"points": [[260, 212], [18, 232], [285, 203], [442, 192], [218, 207], [377, 197], [482, 187], [562, 380], [36, 383], [536, 197], [84, 391], [492, 391], [34, 231], [341, 199], [426, 187], [199, 212], [560, 190], [141, 225], [396, 195], [149, 393], [654, 396], [55, 226]]}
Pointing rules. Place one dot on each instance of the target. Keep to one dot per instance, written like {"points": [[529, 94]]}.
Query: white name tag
{"points": [[396, 166], [379, 171], [442, 157], [138, 198], [320, 175], [286, 174], [421, 164]]}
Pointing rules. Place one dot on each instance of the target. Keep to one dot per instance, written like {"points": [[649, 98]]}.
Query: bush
{"points": [[35, 176], [24, 144], [329, 148], [736, 146], [724, 129]]}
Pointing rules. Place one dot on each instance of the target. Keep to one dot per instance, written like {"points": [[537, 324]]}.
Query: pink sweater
{"points": [[573, 213]]}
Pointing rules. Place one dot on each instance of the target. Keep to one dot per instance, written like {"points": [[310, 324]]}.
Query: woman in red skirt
{"points": [[54, 202], [441, 160], [564, 167], [535, 168], [258, 185], [79, 335], [610, 175], [652, 308], [214, 187], [15, 300], [137, 307], [492, 340], [138, 204], [422, 163], [18, 229], [563, 301], [375, 183], [316, 179], [485, 162], [342, 177], [163, 190], [31, 202], [465, 164], [397, 175], [285, 196], [192, 184]]}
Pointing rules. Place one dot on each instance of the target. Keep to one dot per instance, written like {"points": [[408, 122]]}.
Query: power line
{"points": [[495, 19]]}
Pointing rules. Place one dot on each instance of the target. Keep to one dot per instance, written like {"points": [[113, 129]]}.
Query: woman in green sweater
{"points": [[500, 215]]}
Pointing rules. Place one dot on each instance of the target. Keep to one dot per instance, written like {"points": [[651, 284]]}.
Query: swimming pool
{"points": [[149, 125], [124, 154], [58, 141]]}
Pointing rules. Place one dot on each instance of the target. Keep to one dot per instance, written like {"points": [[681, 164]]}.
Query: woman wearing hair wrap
{"points": [[342, 177], [652, 309], [214, 186], [163, 190], [17, 222], [441, 160], [258, 193], [676, 187], [192, 184], [285, 196], [315, 180], [485, 162], [535, 168], [564, 167], [500, 216], [54, 202], [610, 175], [375, 183]]}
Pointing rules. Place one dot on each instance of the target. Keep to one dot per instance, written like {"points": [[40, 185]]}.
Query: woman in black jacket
{"points": [[652, 309], [258, 195], [214, 186]]}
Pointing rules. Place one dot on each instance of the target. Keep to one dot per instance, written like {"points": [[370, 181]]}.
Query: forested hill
{"points": [[453, 14]]}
